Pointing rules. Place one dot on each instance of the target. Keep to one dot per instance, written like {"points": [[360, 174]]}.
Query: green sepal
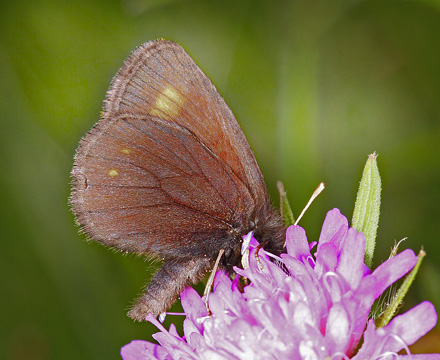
{"points": [[367, 207]]}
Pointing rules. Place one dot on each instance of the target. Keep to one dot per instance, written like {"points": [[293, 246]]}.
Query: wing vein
{"points": [[213, 156]]}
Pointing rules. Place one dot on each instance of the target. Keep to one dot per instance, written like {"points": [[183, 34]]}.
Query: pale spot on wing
{"points": [[125, 151], [168, 103], [113, 173]]}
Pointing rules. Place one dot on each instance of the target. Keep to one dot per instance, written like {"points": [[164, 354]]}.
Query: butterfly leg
{"points": [[167, 284]]}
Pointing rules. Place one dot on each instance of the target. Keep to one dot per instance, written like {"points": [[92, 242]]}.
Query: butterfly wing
{"points": [[167, 165]]}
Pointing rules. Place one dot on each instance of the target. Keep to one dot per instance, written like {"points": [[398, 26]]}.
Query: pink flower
{"points": [[298, 306]]}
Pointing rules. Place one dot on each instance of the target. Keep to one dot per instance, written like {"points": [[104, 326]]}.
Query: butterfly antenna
{"points": [[315, 194]]}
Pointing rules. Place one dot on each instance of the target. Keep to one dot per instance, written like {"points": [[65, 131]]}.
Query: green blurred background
{"points": [[316, 86]]}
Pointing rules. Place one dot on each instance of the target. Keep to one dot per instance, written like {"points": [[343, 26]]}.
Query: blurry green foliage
{"points": [[316, 86]]}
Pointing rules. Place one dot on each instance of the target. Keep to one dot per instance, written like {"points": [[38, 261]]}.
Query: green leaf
{"points": [[367, 207], [285, 209]]}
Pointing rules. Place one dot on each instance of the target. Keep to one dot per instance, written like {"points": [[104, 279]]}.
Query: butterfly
{"points": [[167, 173]]}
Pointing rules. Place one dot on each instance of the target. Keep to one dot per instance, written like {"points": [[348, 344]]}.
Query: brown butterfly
{"points": [[168, 173]]}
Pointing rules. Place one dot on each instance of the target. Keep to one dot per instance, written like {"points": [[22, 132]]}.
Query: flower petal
{"points": [[393, 269], [194, 306], [338, 332], [326, 259], [412, 325], [402, 331], [351, 261], [334, 228], [296, 242], [142, 350]]}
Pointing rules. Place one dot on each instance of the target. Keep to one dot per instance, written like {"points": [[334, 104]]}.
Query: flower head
{"points": [[298, 306]]}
